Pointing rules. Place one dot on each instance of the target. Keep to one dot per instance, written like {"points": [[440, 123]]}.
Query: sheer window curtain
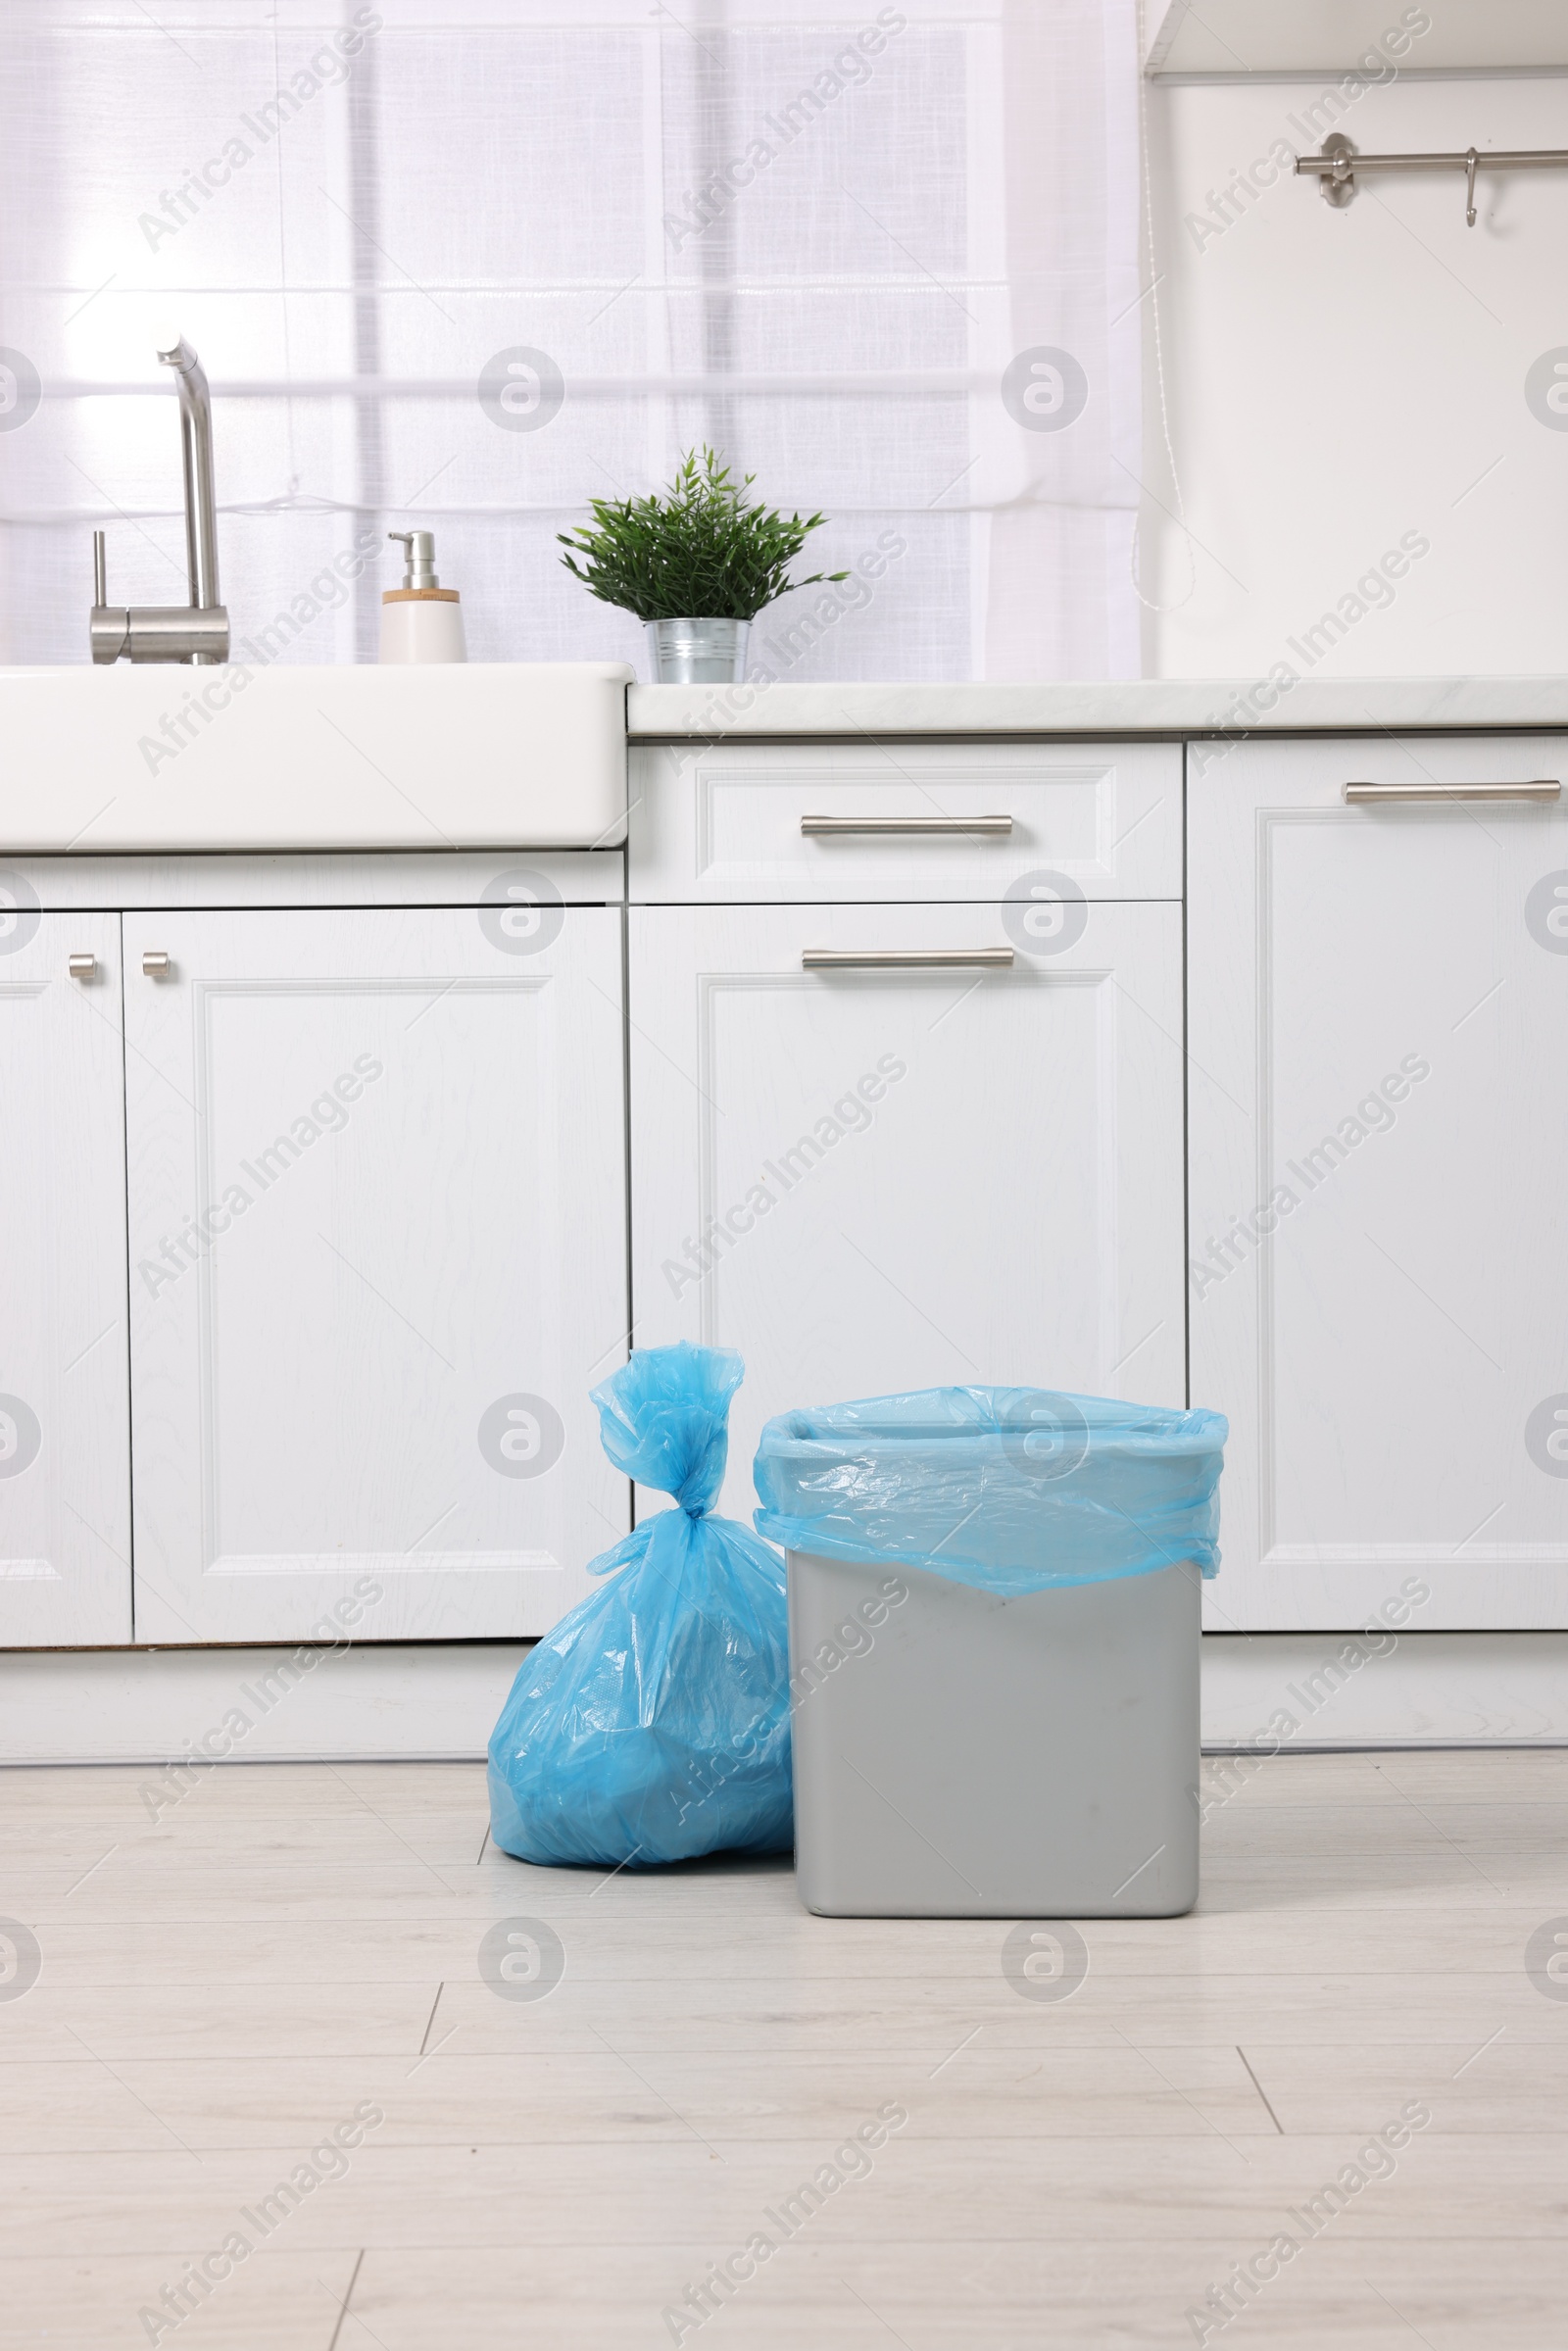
{"points": [[462, 271]]}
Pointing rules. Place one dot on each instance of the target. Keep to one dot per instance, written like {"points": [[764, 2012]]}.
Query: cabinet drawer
{"points": [[737, 823]]}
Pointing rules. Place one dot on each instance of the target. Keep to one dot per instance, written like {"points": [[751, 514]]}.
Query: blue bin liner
{"points": [[1013, 1490]]}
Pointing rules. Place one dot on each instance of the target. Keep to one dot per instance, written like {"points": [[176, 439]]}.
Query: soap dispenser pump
{"points": [[420, 621]]}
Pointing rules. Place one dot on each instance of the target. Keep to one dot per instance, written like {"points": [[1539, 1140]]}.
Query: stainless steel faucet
{"points": [[197, 632]]}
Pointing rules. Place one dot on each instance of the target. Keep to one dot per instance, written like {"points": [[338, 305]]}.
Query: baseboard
{"points": [[1263, 1691], [437, 1701], [430, 1701]]}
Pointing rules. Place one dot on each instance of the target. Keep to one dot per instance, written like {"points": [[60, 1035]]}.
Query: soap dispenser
{"points": [[420, 621]]}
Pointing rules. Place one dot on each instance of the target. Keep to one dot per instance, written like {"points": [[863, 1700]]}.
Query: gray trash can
{"points": [[994, 1603]]}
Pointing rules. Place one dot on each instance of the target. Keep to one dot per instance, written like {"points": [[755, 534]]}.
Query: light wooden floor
{"points": [[292, 1944]]}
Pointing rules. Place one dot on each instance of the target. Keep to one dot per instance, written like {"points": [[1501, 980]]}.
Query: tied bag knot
{"points": [[670, 1425]]}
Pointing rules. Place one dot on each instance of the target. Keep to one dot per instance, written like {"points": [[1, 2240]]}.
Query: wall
{"points": [[1340, 381]]}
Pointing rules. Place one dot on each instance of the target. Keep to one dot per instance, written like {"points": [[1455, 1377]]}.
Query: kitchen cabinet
{"points": [[65, 1470], [894, 1177], [374, 1158], [1379, 1125]]}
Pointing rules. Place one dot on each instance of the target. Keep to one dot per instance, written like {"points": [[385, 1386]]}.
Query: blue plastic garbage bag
{"points": [[652, 1723], [1013, 1490]]}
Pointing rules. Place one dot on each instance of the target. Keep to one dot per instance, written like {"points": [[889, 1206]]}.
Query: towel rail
{"points": [[1339, 167]]}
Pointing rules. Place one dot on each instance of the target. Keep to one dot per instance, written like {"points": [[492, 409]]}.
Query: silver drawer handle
{"points": [[1543, 788], [81, 967], [988, 827], [906, 958], [155, 962]]}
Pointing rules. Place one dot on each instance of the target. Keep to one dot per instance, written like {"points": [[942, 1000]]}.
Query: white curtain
{"points": [[463, 270]]}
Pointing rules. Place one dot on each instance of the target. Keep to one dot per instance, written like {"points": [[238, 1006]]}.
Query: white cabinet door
{"points": [[377, 1247], [873, 1180], [65, 1472], [1379, 1122]]}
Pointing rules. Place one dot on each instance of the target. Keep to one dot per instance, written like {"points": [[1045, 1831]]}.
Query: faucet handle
{"points": [[100, 569]]}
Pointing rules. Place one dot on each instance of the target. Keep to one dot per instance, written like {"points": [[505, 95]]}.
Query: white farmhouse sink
{"points": [[98, 762]]}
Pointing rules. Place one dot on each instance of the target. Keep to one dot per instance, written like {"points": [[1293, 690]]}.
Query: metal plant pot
{"points": [[697, 653]]}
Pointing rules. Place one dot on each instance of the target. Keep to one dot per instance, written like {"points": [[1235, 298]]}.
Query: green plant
{"points": [[703, 551]]}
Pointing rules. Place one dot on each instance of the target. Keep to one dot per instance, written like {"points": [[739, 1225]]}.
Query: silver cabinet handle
{"points": [[81, 967], [988, 827], [906, 958], [1543, 788], [155, 962]]}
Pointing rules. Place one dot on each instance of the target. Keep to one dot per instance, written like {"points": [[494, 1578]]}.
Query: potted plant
{"points": [[696, 567]]}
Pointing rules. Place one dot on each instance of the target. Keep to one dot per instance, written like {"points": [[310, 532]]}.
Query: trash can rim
{"points": [[1150, 1429]]}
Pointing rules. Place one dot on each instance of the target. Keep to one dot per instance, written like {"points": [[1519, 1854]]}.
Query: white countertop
{"points": [[1147, 705]]}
